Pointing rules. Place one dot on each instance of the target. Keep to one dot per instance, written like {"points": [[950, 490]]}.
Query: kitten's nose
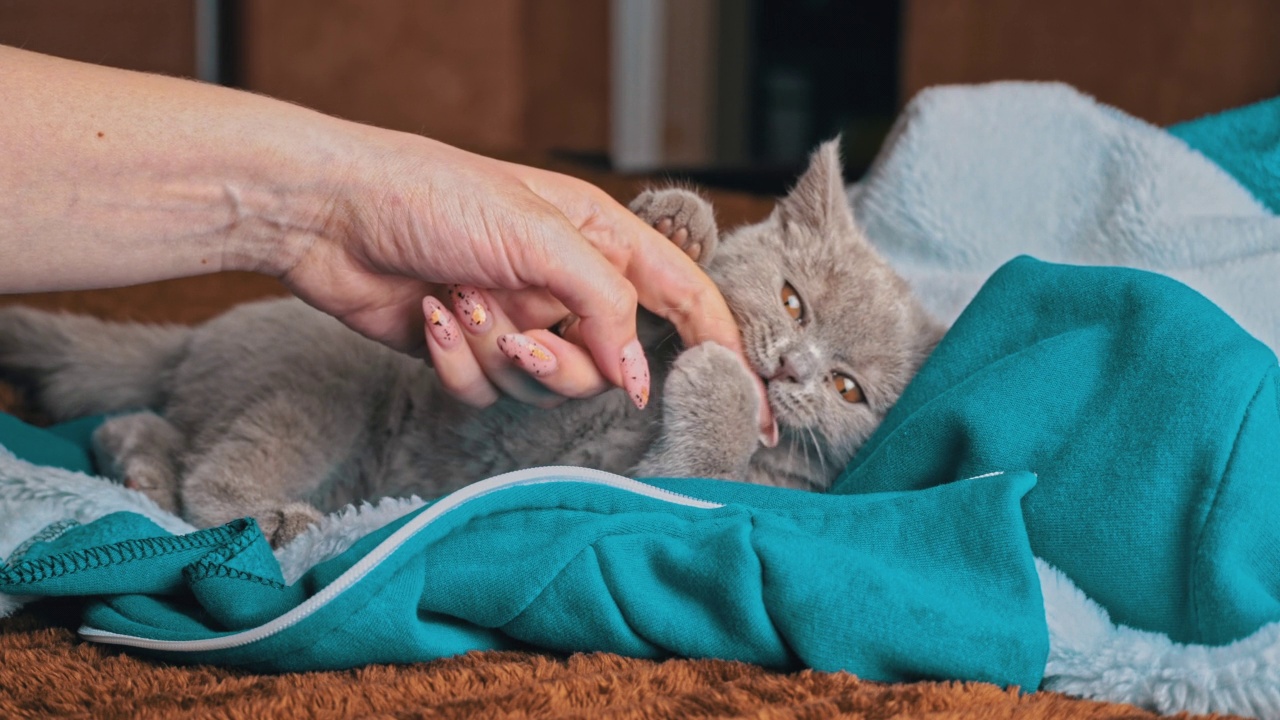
{"points": [[796, 366]]}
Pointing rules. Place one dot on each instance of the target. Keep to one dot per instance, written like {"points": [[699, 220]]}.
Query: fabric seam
{"points": [[63, 564], [1194, 576]]}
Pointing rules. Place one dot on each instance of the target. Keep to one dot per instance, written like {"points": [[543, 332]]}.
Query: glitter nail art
{"points": [[635, 374], [470, 308], [527, 354], [441, 324]]}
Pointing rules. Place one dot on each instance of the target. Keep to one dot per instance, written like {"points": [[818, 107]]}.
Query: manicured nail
{"points": [[470, 308], [635, 374], [441, 324], [527, 354]]}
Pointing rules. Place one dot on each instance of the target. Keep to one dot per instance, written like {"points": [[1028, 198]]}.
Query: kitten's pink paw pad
{"points": [[682, 217]]}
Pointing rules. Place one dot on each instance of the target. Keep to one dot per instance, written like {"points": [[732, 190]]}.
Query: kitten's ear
{"points": [[818, 200]]}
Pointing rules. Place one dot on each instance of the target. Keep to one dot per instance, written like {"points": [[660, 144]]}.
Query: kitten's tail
{"points": [[74, 365]]}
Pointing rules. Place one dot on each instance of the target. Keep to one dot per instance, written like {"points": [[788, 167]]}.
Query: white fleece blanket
{"points": [[973, 176]]}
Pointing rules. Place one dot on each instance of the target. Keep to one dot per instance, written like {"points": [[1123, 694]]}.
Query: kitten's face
{"points": [[834, 332]]}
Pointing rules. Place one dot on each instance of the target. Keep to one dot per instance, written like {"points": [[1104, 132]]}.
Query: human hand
{"points": [[416, 217]]}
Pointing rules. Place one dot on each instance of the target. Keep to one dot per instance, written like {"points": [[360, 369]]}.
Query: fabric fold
{"points": [[897, 586], [1150, 418]]}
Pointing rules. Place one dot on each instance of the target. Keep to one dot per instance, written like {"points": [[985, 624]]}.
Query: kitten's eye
{"points": [[847, 387], [791, 301]]}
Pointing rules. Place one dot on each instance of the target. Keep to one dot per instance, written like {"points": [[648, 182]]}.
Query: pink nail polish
{"points": [[470, 308], [441, 324], [635, 374], [527, 354]]}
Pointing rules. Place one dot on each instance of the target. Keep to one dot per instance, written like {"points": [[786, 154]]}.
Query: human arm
{"points": [[114, 178]]}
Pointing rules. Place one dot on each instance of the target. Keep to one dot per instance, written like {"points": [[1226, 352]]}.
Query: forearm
{"points": [[109, 177]]}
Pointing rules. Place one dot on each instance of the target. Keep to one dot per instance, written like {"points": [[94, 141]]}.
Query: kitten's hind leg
{"points": [[267, 462], [141, 450], [684, 217]]}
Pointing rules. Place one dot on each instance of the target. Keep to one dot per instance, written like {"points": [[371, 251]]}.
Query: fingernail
{"points": [[471, 310], [635, 374], [527, 354], [441, 324]]}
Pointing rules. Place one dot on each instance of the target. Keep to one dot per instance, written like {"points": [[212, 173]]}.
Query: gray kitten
{"points": [[277, 411]]}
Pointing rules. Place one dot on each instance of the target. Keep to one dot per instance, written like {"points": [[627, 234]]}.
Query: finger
{"points": [[530, 307], [455, 365], [483, 323], [574, 373], [671, 285], [561, 260]]}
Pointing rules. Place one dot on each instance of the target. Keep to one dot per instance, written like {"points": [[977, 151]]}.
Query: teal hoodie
{"points": [[1150, 419]]}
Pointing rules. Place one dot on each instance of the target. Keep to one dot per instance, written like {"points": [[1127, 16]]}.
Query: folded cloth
{"points": [[973, 176], [1151, 419], [65, 445], [1245, 142], [890, 587]]}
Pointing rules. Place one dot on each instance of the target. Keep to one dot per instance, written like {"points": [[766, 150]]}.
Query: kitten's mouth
{"points": [[770, 437]]}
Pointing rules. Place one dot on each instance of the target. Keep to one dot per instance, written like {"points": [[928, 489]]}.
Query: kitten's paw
{"points": [[285, 523], [709, 384], [683, 217], [709, 407], [137, 450], [155, 482]]}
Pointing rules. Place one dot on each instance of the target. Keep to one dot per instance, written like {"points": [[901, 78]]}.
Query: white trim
{"points": [[1091, 657], [386, 548]]}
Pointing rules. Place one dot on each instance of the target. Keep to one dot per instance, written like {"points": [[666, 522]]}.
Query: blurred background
{"points": [[728, 93]]}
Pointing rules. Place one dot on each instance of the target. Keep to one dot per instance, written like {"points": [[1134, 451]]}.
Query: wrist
{"points": [[294, 194]]}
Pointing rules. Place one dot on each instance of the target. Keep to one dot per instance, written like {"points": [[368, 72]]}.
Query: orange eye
{"points": [[791, 301], [847, 387]]}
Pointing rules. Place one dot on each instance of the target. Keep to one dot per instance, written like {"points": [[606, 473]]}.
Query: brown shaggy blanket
{"points": [[46, 671]]}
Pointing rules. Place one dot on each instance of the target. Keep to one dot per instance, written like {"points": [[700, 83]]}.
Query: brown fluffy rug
{"points": [[46, 671]]}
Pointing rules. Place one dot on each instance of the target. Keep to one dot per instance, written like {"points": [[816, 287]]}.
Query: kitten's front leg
{"points": [[709, 409], [683, 217]]}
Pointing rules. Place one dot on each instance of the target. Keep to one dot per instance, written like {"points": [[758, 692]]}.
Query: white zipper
{"points": [[353, 575]]}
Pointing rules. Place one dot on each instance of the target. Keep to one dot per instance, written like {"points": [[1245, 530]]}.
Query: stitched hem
{"points": [[128, 551]]}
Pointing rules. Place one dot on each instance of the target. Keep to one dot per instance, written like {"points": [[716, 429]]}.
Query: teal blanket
{"points": [[1245, 142], [893, 586]]}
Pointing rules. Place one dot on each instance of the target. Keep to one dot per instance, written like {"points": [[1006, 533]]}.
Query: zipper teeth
{"points": [[519, 478]]}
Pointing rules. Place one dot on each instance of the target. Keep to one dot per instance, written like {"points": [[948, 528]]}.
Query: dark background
{"points": [[531, 77]]}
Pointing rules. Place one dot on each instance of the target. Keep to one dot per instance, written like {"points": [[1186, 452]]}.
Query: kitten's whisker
{"points": [[822, 460]]}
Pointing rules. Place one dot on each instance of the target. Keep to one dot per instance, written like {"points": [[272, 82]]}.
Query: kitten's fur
{"points": [[276, 410]]}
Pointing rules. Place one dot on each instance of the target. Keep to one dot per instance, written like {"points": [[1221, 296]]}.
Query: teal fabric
{"points": [[1245, 142], [1151, 420], [895, 586], [65, 445]]}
